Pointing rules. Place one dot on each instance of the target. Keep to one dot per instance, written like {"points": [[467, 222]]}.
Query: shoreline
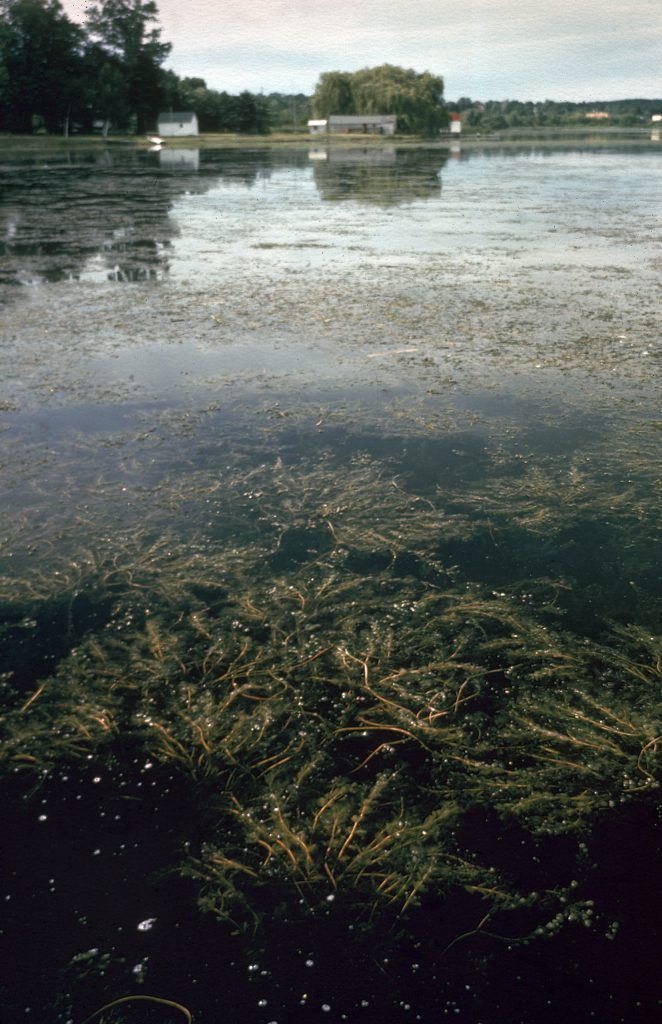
{"points": [[298, 140]]}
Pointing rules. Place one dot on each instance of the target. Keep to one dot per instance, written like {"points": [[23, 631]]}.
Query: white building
{"points": [[355, 124], [171, 125], [363, 124]]}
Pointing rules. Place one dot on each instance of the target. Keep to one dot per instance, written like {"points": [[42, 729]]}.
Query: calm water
{"points": [[331, 583]]}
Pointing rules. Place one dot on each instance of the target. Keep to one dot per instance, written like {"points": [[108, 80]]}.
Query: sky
{"points": [[484, 49]]}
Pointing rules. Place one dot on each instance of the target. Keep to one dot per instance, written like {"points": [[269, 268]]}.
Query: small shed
{"points": [[317, 126], [175, 124], [456, 124], [363, 124]]}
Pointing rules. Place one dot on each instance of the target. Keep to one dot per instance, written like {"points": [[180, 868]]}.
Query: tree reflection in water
{"points": [[384, 176]]}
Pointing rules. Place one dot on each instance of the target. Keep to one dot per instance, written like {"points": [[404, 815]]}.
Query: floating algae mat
{"points": [[331, 647]]}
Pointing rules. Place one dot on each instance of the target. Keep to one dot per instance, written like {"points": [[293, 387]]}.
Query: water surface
{"points": [[331, 582]]}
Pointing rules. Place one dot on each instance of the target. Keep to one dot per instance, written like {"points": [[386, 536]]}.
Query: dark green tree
{"points": [[125, 29], [193, 94], [4, 69], [252, 114], [41, 66], [108, 89]]}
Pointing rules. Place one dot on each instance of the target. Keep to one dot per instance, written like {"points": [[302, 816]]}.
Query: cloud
{"points": [[488, 48], [296, 24]]}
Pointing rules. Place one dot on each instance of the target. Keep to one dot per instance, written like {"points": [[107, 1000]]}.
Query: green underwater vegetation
{"points": [[348, 670]]}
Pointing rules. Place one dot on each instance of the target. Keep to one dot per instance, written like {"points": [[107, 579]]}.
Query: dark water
{"points": [[331, 584]]}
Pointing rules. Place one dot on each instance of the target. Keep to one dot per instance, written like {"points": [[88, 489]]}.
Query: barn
{"points": [[361, 124], [364, 124], [175, 124]]}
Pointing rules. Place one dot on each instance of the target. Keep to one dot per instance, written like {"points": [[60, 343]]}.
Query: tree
{"points": [[333, 94], [125, 29], [252, 114], [217, 111], [41, 65], [5, 82], [416, 98], [108, 89], [289, 111]]}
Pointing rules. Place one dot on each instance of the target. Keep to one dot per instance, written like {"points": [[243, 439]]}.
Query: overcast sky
{"points": [[486, 49]]}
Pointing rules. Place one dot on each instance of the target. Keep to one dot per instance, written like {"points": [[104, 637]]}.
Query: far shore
{"points": [[230, 140]]}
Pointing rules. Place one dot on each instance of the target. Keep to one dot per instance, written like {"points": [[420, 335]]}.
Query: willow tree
{"points": [[333, 94], [416, 97]]}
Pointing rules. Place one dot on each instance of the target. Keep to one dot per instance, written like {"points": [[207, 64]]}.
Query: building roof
{"points": [[357, 119], [179, 118]]}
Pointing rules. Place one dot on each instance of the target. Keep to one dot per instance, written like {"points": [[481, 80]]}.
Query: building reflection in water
{"points": [[384, 175], [179, 159]]}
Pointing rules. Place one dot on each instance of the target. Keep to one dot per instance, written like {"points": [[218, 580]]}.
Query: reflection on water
{"points": [[107, 212], [102, 215], [108, 215], [384, 176], [330, 585], [179, 159], [115, 215]]}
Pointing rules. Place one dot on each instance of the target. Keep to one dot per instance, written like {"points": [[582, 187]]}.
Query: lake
{"points": [[331, 582]]}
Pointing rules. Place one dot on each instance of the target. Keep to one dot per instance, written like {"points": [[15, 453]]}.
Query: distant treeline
{"points": [[60, 77], [498, 115], [248, 112]]}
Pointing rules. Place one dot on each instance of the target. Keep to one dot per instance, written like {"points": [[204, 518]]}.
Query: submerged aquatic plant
{"points": [[338, 689]]}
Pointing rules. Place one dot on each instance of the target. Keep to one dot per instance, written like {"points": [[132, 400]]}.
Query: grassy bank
{"points": [[232, 140]]}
